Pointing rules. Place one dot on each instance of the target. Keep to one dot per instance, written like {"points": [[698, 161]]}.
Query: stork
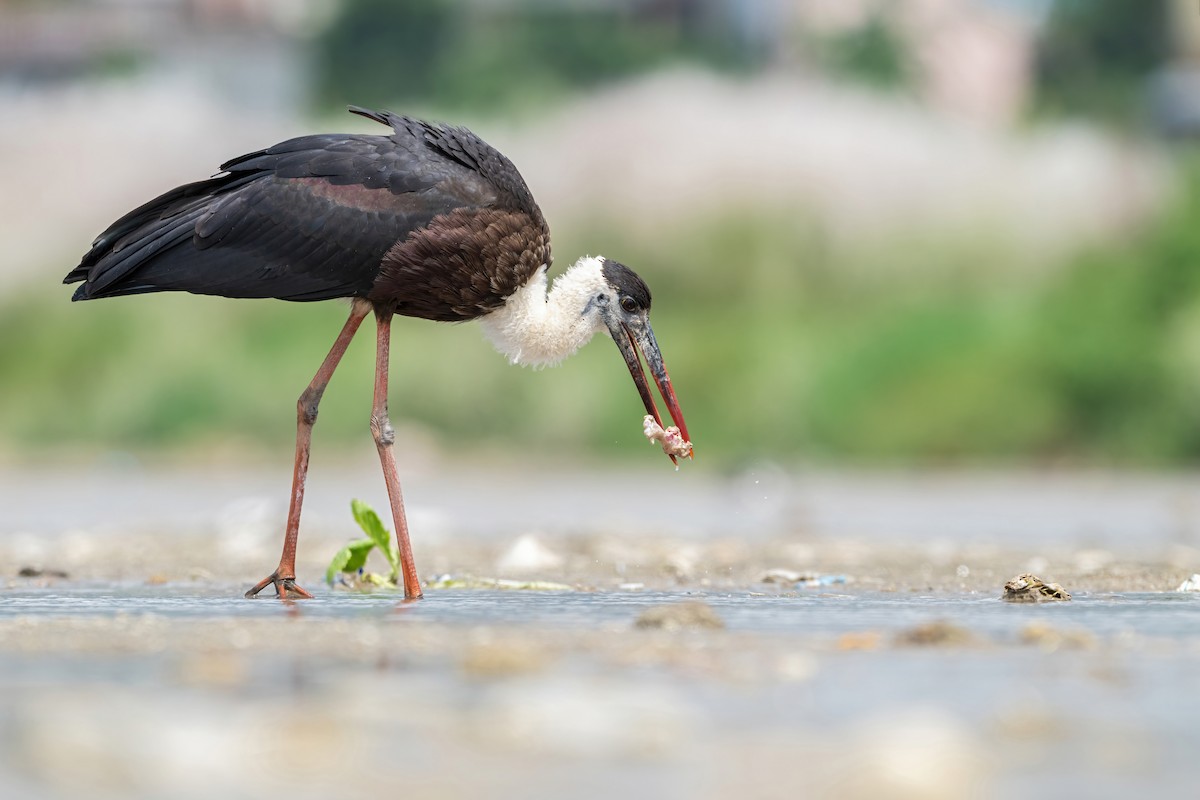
{"points": [[429, 221]]}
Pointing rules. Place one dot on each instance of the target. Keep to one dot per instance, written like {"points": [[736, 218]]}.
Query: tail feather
{"points": [[126, 260], [148, 231]]}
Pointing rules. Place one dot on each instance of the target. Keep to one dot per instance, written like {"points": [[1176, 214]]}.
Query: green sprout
{"points": [[350, 560]]}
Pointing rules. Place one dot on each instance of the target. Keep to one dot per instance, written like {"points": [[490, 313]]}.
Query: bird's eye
{"points": [[629, 304]]}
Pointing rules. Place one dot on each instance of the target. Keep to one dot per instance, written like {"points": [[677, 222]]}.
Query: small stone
{"points": [[938, 633], [501, 660], [808, 579], [1032, 722], [783, 576], [215, 669], [1049, 638], [1029, 588], [1094, 560], [682, 562], [911, 753], [692, 614], [859, 640], [796, 667], [41, 572], [575, 718], [527, 555]]}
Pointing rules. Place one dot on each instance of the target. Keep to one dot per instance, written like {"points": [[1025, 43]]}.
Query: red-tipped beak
{"points": [[641, 342]]}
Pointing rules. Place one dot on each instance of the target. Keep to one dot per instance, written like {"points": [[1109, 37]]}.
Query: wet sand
{"points": [[893, 671]]}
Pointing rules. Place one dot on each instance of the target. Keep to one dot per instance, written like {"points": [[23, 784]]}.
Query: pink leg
{"points": [[284, 576], [381, 427]]}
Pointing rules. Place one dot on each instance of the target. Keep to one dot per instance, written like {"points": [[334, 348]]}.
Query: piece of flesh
{"points": [[672, 441]]}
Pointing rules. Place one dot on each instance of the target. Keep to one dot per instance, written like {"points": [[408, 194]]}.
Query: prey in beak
{"points": [[627, 316]]}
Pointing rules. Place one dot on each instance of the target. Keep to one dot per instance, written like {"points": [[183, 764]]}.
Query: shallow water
{"points": [[778, 687], [1166, 615], [139, 688]]}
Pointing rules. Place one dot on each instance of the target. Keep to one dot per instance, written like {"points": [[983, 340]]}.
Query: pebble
{"points": [[801, 578], [502, 659], [1050, 638], [1093, 560], [913, 753], [938, 633], [795, 667], [527, 555], [785, 576], [584, 718], [859, 640], [41, 572], [682, 562], [693, 614], [1027, 588]]}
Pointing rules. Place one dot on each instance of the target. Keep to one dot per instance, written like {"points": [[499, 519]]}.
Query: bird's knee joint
{"points": [[306, 407], [381, 428]]}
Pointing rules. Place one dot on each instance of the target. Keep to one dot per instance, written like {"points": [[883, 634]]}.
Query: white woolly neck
{"points": [[540, 329]]}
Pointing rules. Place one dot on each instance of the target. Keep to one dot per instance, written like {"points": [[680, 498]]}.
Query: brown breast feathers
{"points": [[462, 264]]}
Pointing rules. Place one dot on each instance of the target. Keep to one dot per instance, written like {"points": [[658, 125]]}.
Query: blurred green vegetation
{"points": [[871, 54], [1094, 58], [486, 57], [780, 344]]}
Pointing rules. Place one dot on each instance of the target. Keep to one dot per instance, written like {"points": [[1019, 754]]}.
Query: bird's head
{"points": [[623, 304]]}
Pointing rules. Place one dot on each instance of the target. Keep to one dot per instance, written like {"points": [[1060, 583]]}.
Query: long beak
{"points": [[641, 341]]}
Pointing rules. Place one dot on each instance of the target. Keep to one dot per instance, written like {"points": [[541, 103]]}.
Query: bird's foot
{"points": [[285, 588]]}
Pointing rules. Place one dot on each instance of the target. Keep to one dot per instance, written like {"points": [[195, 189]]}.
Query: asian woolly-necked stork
{"points": [[429, 221]]}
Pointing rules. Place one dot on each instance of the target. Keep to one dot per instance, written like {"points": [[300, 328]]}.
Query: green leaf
{"points": [[350, 558], [369, 521]]}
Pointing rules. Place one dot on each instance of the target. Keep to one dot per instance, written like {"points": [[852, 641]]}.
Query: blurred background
{"points": [[925, 232], [927, 276]]}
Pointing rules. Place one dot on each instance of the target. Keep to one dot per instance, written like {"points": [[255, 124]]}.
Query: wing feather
{"points": [[306, 219]]}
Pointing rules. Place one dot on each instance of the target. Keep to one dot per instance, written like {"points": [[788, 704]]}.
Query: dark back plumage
{"points": [[430, 221]]}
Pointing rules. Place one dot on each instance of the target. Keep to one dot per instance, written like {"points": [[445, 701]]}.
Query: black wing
{"points": [[307, 219]]}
